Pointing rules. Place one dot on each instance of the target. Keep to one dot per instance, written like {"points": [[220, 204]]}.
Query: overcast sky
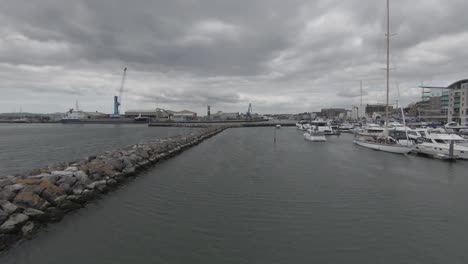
{"points": [[282, 56]]}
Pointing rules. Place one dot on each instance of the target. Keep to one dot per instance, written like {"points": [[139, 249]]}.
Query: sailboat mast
{"points": [[360, 108], [388, 62]]}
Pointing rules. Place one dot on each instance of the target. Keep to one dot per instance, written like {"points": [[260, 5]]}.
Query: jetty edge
{"points": [[46, 195]]}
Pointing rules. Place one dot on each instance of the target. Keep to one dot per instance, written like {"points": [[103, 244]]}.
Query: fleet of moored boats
{"points": [[449, 142]]}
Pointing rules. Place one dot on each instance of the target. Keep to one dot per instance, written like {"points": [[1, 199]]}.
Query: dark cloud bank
{"points": [[283, 56]]}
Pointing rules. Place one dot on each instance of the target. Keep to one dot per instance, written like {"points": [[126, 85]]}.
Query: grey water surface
{"points": [[239, 198], [28, 146]]}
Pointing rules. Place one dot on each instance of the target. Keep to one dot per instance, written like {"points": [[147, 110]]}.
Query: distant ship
{"points": [[80, 117], [21, 120]]}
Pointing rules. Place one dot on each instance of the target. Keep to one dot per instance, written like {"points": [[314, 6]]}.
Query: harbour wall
{"points": [[46, 195]]}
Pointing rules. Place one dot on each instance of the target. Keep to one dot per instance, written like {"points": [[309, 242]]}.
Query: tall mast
{"points": [[360, 108], [388, 61]]}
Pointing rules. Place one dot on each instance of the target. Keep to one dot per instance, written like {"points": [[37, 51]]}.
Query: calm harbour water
{"points": [[238, 198], [28, 146]]}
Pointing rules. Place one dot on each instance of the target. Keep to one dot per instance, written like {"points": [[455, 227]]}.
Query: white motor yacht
{"points": [[346, 127], [437, 144], [315, 136], [303, 125], [322, 126]]}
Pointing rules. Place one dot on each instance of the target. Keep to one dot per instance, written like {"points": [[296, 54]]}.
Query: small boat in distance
{"points": [[278, 126], [21, 120], [141, 119]]}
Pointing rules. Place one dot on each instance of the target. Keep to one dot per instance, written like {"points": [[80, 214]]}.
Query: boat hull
{"points": [[431, 150], [315, 138], [397, 149]]}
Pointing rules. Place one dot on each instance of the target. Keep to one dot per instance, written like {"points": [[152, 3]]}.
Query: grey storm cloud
{"points": [[290, 56]]}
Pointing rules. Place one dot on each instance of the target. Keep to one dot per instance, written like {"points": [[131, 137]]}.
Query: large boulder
{"points": [[3, 216], [68, 205], [34, 214], [28, 229], [8, 207], [127, 162], [62, 173], [86, 195], [66, 187], [129, 170], [5, 182], [14, 222], [142, 153], [82, 177], [72, 169], [117, 164], [98, 167], [98, 185], [134, 158], [51, 191], [28, 199], [36, 189], [70, 180], [14, 188], [29, 181], [54, 214], [7, 195]]}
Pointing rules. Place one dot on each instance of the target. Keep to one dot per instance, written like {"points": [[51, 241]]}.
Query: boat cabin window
{"points": [[440, 141], [423, 133], [427, 140]]}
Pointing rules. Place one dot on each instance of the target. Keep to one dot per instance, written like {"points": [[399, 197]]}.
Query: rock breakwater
{"points": [[45, 195]]}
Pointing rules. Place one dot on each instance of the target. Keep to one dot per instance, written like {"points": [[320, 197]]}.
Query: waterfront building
{"points": [[184, 115], [162, 114], [225, 116], [150, 113], [332, 113], [458, 102], [377, 108]]}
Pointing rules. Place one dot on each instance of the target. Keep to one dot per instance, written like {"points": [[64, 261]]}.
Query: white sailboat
{"points": [[384, 141]]}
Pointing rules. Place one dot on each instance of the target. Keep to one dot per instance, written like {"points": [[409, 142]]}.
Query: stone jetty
{"points": [[46, 195]]}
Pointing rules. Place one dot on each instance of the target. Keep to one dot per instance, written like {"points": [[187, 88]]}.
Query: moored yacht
{"points": [[384, 141], [438, 144], [303, 125], [322, 126], [346, 127], [315, 136]]}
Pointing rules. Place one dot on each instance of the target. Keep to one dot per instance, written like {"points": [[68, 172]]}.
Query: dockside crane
{"points": [[249, 111], [118, 99]]}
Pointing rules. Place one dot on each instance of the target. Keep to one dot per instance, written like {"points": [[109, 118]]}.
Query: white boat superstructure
{"points": [[436, 144], [322, 126], [346, 127], [303, 125], [73, 114], [315, 136]]}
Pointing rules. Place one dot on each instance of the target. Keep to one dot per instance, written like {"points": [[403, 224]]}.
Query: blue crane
{"points": [[118, 99]]}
